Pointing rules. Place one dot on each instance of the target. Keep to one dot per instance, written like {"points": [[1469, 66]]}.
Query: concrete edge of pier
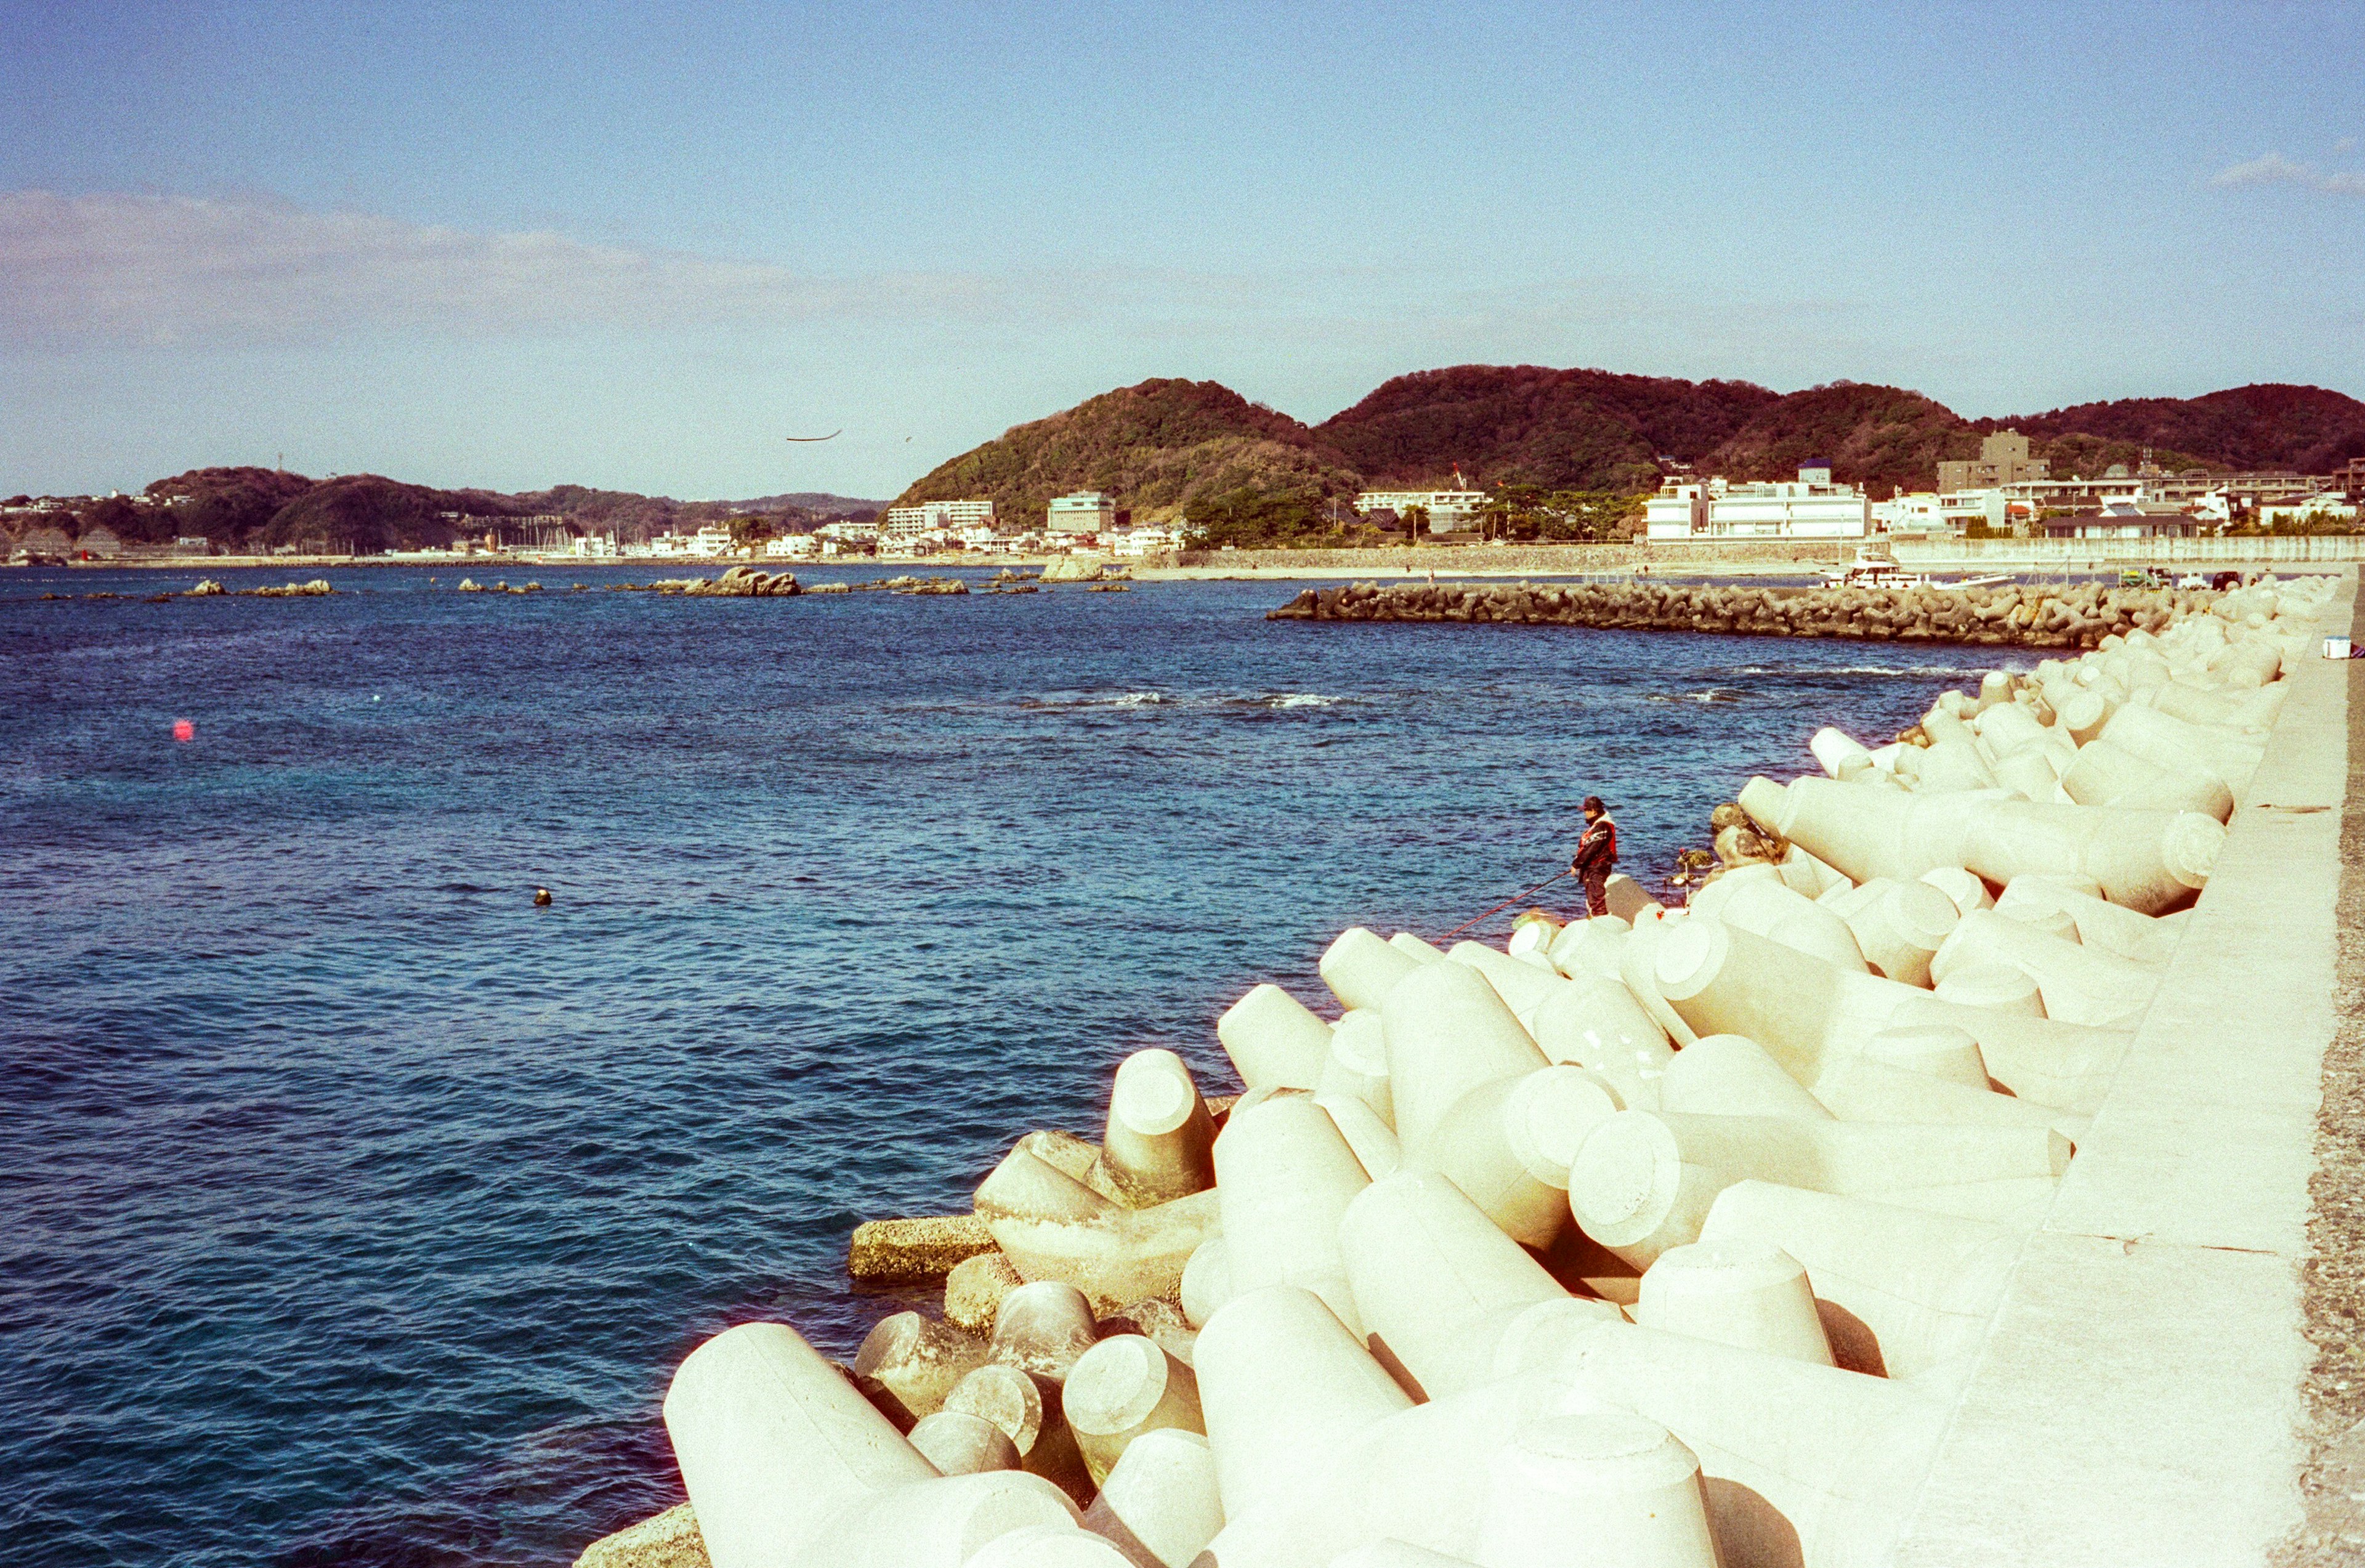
{"points": [[2144, 1395]]}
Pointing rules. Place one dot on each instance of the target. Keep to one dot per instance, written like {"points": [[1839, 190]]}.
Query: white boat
{"points": [[1871, 571]]}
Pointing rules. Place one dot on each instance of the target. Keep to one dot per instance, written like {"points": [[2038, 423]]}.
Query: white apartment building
{"points": [[594, 546], [1929, 513], [1085, 512], [1810, 507], [1146, 540], [792, 546], [854, 532], [709, 540], [938, 517], [1449, 510]]}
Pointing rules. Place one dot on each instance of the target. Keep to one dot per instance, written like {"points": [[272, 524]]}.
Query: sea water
{"points": [[355, 1210]]}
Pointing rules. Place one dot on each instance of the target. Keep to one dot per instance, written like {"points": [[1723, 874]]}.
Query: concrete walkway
{"points": [[2142, 1394]]}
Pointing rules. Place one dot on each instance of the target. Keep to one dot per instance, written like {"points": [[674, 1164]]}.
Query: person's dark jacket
{"points": [[1597, 850]]}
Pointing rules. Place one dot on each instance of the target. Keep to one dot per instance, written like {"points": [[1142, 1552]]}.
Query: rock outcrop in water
{"points": [[2038, 615]]}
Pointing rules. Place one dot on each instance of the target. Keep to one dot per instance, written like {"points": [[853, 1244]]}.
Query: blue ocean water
{"points": [[353, 1210]]}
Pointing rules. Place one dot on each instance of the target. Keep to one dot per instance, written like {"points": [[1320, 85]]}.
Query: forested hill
{"points": [[1164, 449], [259, 509], [2266, 426], [1170, 449], [1560, 430]]}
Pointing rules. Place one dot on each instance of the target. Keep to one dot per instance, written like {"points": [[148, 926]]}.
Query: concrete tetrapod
{"points": [[771, 1441], [1282, 1385], [1964, 891], [1447, 1032], [1905, 1293], [1043, 1327], [1590, 946], [1159, 1139], [1991, 988], [1595, 1024], [1730, 1075], [2104, 926], [1622, 1485], [1412, 947], [961, 1444], [1049, 1546], [958, 1521], [1419, 1476], [1121, 1388], [1052, 1226], [1900, 929], [1507, 1144], [1377, 1148], [1361, 969], [1358, 1064], [1767, 906], [1642, 1180], [1864, 1089], [1933, 1050], [1443, 1282], [1206, 1283], [1747, 1293], [2146, 861], [1026, 1408], [1801, 1463], [1284, 1177], [1523, 987], [918, 1361], [1160, 1506], [2080, 984], [1807, 1014], [1397, 1554], [2106, 775], [1638, 972], [1274, 1040]]}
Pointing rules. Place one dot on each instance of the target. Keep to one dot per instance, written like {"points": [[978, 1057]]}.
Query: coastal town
{"points": [[2004, 493]]}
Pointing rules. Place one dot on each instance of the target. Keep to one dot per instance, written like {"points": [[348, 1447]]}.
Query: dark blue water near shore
{"points": [[352, 1210]]}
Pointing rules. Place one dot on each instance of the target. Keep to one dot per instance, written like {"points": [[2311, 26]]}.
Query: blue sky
{"points": [[515, 245]]}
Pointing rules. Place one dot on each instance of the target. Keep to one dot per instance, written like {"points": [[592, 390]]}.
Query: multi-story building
{"points": [[937, 516], [2003, 459], [1085, 512], [1928, 514], [1810, 507], [1448, 512]]}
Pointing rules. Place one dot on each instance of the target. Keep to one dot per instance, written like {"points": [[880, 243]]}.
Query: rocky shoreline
{"points": [[1690, 1233], [2038, 616]]}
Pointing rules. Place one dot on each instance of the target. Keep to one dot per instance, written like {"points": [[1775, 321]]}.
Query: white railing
{"points": [[2075, 553]]}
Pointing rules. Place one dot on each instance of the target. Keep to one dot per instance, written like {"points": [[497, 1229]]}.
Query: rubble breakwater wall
{"points": [[2039, 616]]}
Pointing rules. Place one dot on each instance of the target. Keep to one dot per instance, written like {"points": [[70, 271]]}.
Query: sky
{"points": [[637, 246]]}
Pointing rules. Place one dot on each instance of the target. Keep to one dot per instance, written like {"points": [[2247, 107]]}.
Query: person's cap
{"points": [[1593, 803]]}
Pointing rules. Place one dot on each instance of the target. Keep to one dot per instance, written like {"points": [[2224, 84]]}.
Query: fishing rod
{"points": [[1507, 903]]}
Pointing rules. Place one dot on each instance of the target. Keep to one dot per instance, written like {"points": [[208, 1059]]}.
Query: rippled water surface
{"points": [[353, 1210]]}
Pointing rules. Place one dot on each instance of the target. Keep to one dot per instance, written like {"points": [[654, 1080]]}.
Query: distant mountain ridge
{"points": [[263, 507], [1175, 448]]}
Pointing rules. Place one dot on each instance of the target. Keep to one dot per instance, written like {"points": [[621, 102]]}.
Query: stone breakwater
{"points": [[2041, 616], [1684, 1233]]}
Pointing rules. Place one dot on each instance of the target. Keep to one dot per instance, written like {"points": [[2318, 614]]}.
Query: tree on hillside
{"points": [[129, 523]]}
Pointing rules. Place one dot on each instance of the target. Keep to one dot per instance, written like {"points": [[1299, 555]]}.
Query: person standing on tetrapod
{"points": [[1597, 856]]}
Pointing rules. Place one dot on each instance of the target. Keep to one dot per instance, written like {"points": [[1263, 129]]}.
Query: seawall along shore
{"points": [[2045, 616]]}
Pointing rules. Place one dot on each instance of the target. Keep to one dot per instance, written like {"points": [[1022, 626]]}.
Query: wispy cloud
{"points": [[165, 270], [2274, 169]]}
